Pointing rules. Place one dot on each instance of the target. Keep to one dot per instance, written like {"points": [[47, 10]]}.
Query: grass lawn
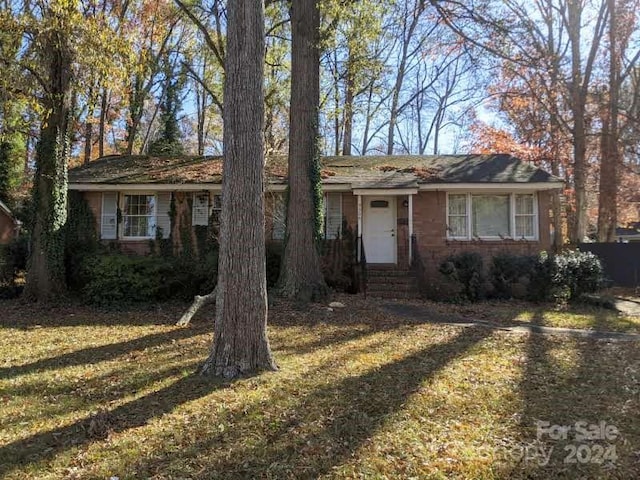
{"points": [[359, 394], [513, 312]]}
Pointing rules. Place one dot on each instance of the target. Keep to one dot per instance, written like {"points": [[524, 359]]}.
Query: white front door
{"points": [[379, 230]]}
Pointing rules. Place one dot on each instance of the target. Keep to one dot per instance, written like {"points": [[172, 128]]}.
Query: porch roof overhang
{"points": [[385, 191]]}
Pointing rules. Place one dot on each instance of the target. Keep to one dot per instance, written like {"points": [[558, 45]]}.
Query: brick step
{"points": [[390, 280], [380, 288], [378, 272], [393, 294]]}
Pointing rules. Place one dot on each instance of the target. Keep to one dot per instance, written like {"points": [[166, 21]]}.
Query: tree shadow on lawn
{"points": [[24, 315], [566, 380], [320, 429], [102, 353], [46, 445]]}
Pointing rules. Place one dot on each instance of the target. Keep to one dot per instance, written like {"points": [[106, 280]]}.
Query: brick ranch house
{"points": [[9, 225], [448, 204]]}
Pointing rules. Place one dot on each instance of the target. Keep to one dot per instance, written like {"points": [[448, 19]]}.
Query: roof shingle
{"points": [[398, 171]]}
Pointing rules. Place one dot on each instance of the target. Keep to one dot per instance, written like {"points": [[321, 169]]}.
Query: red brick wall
{"points": [[7, 228], [133, 247], [429, 226], [430, 221]]}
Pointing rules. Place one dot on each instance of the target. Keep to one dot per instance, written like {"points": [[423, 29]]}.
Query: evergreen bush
{"points": [[467, 270]]}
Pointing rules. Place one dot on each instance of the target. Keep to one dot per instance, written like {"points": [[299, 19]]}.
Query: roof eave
{"points": [[512, 186]]}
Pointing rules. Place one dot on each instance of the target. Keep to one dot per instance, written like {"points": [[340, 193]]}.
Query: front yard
{"points": [[360, 394]]}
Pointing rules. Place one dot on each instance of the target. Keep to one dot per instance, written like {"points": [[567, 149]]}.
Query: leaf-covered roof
{"points": [[360, 172]]}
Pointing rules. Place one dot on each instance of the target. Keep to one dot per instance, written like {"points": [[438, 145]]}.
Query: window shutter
{"points": [[200, 209], [333, 222], [163, 219], [109, 217]]}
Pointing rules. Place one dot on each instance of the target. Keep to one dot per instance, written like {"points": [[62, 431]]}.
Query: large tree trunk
{"points": [[578, 87], [300, 275], [46, 271], [88, 129], [347, 139], [104, 107], [610, 156], [240, 344]]}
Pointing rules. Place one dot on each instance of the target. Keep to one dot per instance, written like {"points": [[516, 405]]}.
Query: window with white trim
{"points": [[216, 210], [458, 216], [525, 216], [492, 216], [138, 216], [332, 215], [200, 209]]}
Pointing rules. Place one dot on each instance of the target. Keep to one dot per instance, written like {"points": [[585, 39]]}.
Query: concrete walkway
{"points": [[425, 314], [627, 305]]}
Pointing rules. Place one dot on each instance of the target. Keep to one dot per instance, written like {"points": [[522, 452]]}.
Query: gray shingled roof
{"points": [[398, 171]]}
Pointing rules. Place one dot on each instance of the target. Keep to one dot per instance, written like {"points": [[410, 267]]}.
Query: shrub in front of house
{"points": [[113, 279], [511, 275], [13, 260], [547, 277], [571, 274], [467, 270], [118, 279]]}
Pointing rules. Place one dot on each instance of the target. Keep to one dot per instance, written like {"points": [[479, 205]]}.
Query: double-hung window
{"points": [[458, 216], [492, 216], [525, 216], [138, 216], [216, 210], [200, 209]]}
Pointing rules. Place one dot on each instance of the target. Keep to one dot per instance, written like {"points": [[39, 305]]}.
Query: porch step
{"points": [[391, 282]]}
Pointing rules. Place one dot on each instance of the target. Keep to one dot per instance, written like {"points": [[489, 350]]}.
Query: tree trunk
{"points": [[347, 138], [408, 32], [578, 87], [88, 128], [300, 274], [240, 344], [609, 158], [103, 121], [46, 270], [136, 109]]}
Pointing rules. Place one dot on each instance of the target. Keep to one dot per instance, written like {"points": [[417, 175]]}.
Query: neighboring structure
{"points": [[9, 225], [451, 203], [630, 233]]}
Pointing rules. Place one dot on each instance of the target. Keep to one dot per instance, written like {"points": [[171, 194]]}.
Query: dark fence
{"points": [[621, 261]]}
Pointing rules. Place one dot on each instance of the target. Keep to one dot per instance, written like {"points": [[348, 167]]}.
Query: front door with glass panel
{"points": [[379, 230]]}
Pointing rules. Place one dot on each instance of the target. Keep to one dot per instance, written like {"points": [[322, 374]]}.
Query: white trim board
{"points": [[217, 187], [385, 191], [497, 187]]}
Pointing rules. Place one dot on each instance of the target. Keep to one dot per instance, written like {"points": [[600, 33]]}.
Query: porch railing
{"points": [[362, 263], [417, 264]]}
